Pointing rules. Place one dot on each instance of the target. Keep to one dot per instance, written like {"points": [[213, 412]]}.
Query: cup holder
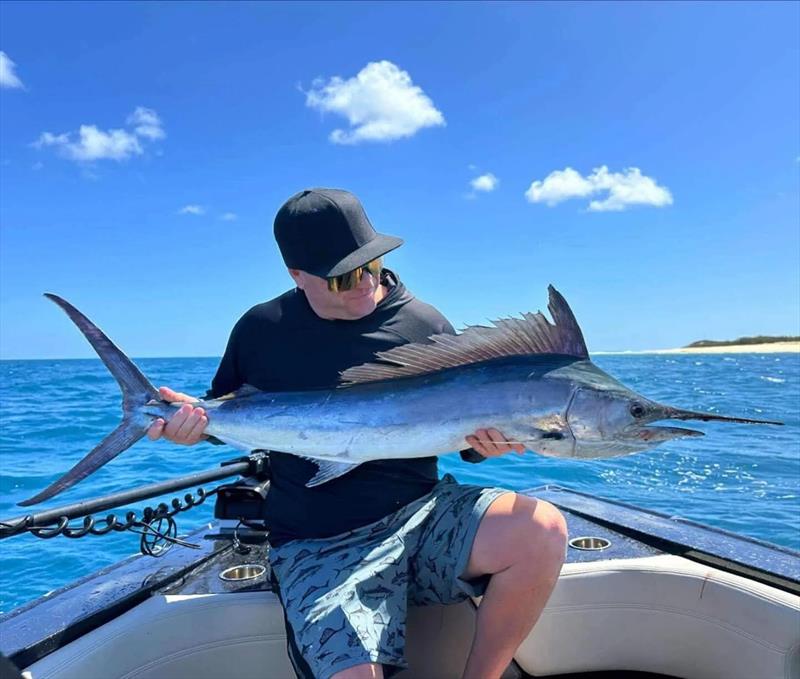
{"points": [[245, 571], [590, 544]]}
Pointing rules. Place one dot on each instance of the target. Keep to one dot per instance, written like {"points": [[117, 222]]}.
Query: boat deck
{"points": [[51, 622]]}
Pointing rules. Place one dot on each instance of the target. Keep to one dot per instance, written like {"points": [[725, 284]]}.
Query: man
{"points": [[350, 553]]}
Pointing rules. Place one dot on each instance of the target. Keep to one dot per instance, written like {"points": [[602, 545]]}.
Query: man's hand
{"points": [[185, 426], [491, 443]]}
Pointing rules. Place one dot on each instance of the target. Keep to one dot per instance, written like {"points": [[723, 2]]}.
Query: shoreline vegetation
{"points": [[758, 339], [760, 344]]}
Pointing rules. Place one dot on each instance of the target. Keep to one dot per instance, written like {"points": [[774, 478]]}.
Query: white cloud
{"points": [[229, 217], [192, 210], [486, 182], [147, 123], [92, 143], [381, 103], [8, 76], [621, 189], [628, 188], [559, 186]]}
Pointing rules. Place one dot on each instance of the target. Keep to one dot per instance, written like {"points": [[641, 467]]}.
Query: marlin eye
{"points": [[637, 410]]}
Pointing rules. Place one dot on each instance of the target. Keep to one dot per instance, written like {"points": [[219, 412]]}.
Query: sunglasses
{"points": [[351, 279]]}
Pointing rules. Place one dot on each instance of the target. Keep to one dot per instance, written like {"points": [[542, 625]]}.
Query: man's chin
{"points": [[360, 307]]}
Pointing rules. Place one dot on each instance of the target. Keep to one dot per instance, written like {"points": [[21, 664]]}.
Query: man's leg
{"points": [[521, 543], [368, 671], [342, 619]]}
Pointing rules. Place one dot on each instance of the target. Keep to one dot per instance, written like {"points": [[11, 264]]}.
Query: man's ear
{"points": [[297, 276]]}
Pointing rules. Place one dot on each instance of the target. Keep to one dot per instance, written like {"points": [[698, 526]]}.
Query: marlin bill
{"points": [[530, 378]]}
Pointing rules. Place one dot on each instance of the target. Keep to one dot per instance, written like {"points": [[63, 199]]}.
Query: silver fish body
{"points": [[525, 397], [554, 405]]}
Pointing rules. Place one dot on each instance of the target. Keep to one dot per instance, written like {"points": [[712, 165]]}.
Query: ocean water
{"points": [[744, 478]]}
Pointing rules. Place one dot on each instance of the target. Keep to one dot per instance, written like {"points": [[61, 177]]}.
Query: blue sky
{"points": [[643, 158]]}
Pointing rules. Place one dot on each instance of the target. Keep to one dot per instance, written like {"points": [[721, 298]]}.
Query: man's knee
{"points": [[521, 532], [365, 671], [543, 535]]}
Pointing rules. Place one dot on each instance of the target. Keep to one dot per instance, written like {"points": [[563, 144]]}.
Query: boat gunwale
{"points": [[767, 562]]}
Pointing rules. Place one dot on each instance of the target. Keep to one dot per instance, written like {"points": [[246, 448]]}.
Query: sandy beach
{"points": [[769, 348]]}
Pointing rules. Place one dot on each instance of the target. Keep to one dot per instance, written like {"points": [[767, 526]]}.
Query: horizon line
{"points": [[615, 352]]}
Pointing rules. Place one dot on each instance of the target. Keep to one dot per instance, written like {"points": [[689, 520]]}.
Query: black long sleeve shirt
{"points": [[282, 345]]}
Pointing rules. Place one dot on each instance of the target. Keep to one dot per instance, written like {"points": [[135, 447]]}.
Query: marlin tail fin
{"points": [[136, 391]]}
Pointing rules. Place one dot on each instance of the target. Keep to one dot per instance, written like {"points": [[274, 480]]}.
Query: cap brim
{"points": [[377, 247]]}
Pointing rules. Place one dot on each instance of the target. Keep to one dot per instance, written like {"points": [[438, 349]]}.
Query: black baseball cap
{"points": [[327, 233]]}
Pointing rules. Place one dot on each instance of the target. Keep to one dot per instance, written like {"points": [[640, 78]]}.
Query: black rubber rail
{"points": [[21, 524]]}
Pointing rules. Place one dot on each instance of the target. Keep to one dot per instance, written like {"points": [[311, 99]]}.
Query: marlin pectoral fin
{"points": [[329, 471]]}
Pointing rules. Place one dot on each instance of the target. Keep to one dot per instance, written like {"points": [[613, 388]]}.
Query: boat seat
{"points": [[668, 615], [241, 635], [662, 614]]}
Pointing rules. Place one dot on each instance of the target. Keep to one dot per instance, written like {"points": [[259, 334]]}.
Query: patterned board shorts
{"points": [[345, 597]]}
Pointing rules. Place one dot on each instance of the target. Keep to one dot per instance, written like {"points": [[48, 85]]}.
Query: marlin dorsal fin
{"points": [[329, 470], [531, 334]]}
